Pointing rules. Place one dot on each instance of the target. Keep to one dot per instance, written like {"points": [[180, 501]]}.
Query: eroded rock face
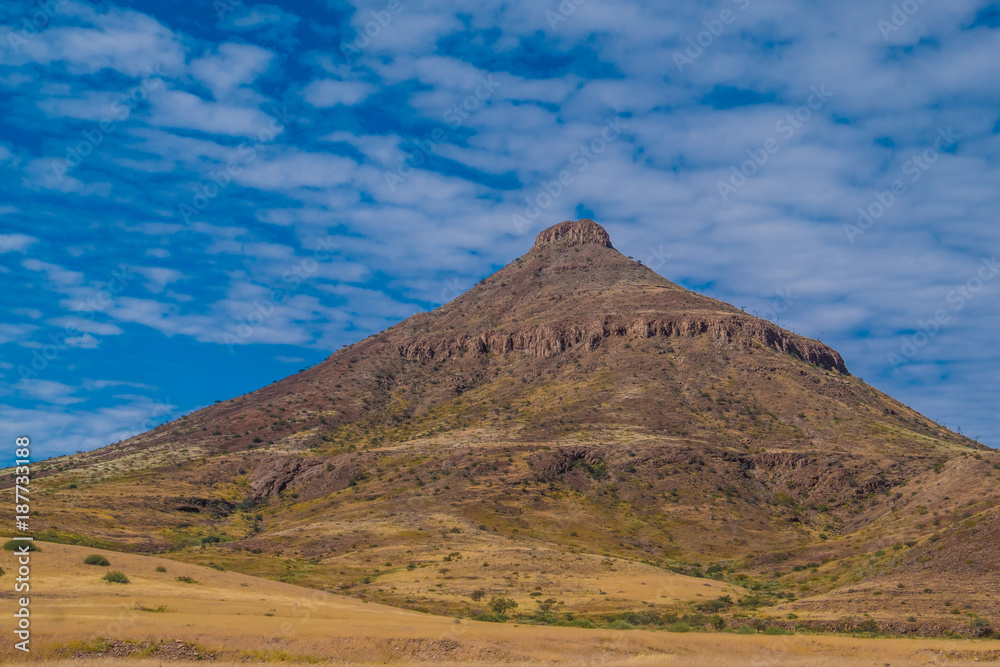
{"points": [[574, 232], [549, 340], [271, 479]]}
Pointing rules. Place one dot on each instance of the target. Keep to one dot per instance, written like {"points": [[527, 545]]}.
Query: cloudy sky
{"points": [[197, 199]]}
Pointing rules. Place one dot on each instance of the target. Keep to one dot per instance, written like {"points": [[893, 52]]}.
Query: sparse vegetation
{"points": [[501, 605]]}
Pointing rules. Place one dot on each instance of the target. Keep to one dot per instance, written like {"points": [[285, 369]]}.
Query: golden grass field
{"points": [[241, 619]]}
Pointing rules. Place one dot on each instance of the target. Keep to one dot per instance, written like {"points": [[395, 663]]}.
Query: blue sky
{"points": [[197, 199]]}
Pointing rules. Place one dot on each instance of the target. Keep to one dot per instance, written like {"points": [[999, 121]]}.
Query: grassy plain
{"points": [[232, 618]]}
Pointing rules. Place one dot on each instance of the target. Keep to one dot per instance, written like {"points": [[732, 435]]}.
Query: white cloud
{"points": [[57, 274], [324, 93], [177, 108], [157, 278], [83, 325], [48, 391], [66, 430], [231, 66], [86, 341], [297, 169], [263, 16], [10, 333], [130, 42], [16, 242]]}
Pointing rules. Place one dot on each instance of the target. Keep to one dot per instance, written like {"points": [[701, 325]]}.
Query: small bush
{"points": [[187, 580], [678, 627], [160, 568], [14, 545], [775, 630], [96, 559], [491, 617], [621, 624], [115, 577], [745, 630], [501, 605], [577, 623]]}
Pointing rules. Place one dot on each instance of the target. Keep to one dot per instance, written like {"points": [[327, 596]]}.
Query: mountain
{"points": [[574, 422]]}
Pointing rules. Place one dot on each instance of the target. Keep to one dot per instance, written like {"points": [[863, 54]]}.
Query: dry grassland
{"points": [[238, 619]]}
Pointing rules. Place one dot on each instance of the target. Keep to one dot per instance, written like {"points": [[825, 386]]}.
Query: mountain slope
{"points": [[574, 404]]}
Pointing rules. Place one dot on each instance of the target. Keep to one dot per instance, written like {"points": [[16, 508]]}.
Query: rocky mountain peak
{"points": [[572, 233]]}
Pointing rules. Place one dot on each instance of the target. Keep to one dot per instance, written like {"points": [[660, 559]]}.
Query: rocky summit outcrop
{"points": [[574, 232]]}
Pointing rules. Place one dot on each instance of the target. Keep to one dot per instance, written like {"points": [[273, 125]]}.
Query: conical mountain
{"points": [[574, 335], [575, 403]]}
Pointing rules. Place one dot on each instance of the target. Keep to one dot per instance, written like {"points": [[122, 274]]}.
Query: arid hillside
{"points": [[574, 428]]}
